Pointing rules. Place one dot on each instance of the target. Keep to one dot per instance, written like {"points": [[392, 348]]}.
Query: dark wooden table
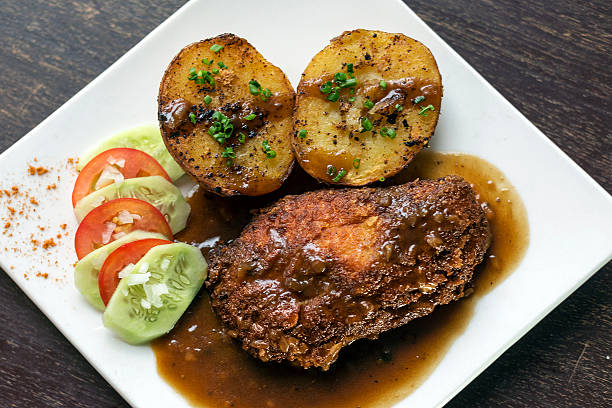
{"points": [[551, 59]]}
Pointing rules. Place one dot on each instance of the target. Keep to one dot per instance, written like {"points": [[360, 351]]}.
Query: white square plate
{"points": [[570, 215]]}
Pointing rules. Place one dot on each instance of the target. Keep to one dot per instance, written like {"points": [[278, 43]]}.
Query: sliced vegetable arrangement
{"points": [[128, 210]]}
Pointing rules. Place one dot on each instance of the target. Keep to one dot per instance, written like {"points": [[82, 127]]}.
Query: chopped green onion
{"points": [[399, 107], [368, 104], [339, 77], [207, 61], [216, 48], [340, 174], [334, 96], [424, 110], [352, 99], [254, 87], [418, 99], [349, 83], [366, 124], [381, 179], [270, 154], [349, 68], [215, 71], [192, 118], [331, 170], [391, 133], [383, 84], [302, 133], [250, 116], [207, 99], [265, 94], [221, 65], [326, 87], [241, 137], [356, 163], [228, 153]]}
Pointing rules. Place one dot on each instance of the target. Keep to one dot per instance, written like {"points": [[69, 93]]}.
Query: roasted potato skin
{"points": [[335, 135], [181, 102]]}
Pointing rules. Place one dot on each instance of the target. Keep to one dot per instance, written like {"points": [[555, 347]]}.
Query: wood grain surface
{"points": [[551, 59]]}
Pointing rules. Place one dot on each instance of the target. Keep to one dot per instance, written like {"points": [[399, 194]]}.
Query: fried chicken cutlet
{"points": [[315, 272]]}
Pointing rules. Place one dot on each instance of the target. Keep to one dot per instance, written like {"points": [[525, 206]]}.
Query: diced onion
{"points": [[138, 278], [126, 270], [109, 175], [118, 235], [126, 217], [117, 162], [109, 227]]}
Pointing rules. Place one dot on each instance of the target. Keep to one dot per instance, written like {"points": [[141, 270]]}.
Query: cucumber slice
{"points": [[149, 301], [87, 269], [156, 190], [146, 138]]}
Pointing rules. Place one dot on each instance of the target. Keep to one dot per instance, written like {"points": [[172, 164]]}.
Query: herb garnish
{"points": [[222, 127], [302, 133], [356, 163], [418, 99], [216, 48], [331, 170], [250, 116], [424, 110], [383, 84], [366, 124], [270, 154], [255, 89], [340, 174], [207, 61], [398, 107], [368, 104], [221, 65], [207, 100], [229, 154], [241, 137], [391, 133], [192, 118]]}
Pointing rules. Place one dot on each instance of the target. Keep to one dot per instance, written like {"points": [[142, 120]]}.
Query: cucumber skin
{"points": [[180, 208], [135, 330], [146, 138], [86, 274]]}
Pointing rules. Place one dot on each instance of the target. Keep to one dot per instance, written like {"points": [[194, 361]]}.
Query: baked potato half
{"points": [[366, 105], [226, 116]]}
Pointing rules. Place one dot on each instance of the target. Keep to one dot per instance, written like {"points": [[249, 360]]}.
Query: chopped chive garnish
{"points": [[265, 94], [331, 170], [192, 118], [383, 84], [349, 68], [229, 154], [424, 110], [349, 83], [270, 154], [388, 132], [356, 163], [216, 48], [381, 179], [339, 77], [352, 99], [366, 124], [368, 104], [221, 65], [398, 107], [418, 99], [326, 87], [334, 96], [302, 133], [254, 87], [241, 137], [207, 61], [250, 116], [221, 128], [207, 99], [215, 71], [340, 174]]}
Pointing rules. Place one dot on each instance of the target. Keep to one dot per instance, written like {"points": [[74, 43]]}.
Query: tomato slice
{"points": [[120, 216], [126, 254], [114, 164]]}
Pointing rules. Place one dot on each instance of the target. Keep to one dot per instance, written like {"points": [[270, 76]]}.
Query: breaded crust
{"points": [[317, 271]]}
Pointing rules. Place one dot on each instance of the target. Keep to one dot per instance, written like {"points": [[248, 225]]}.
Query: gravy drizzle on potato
{"points": [[365, 106], [226, 116]]}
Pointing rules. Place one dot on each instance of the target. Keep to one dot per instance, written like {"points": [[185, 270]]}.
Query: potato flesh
{"points": [[334, 135], [251, 172]]}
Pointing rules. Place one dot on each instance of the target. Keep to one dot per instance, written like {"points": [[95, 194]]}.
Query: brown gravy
{"points": [[210, 370]]}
